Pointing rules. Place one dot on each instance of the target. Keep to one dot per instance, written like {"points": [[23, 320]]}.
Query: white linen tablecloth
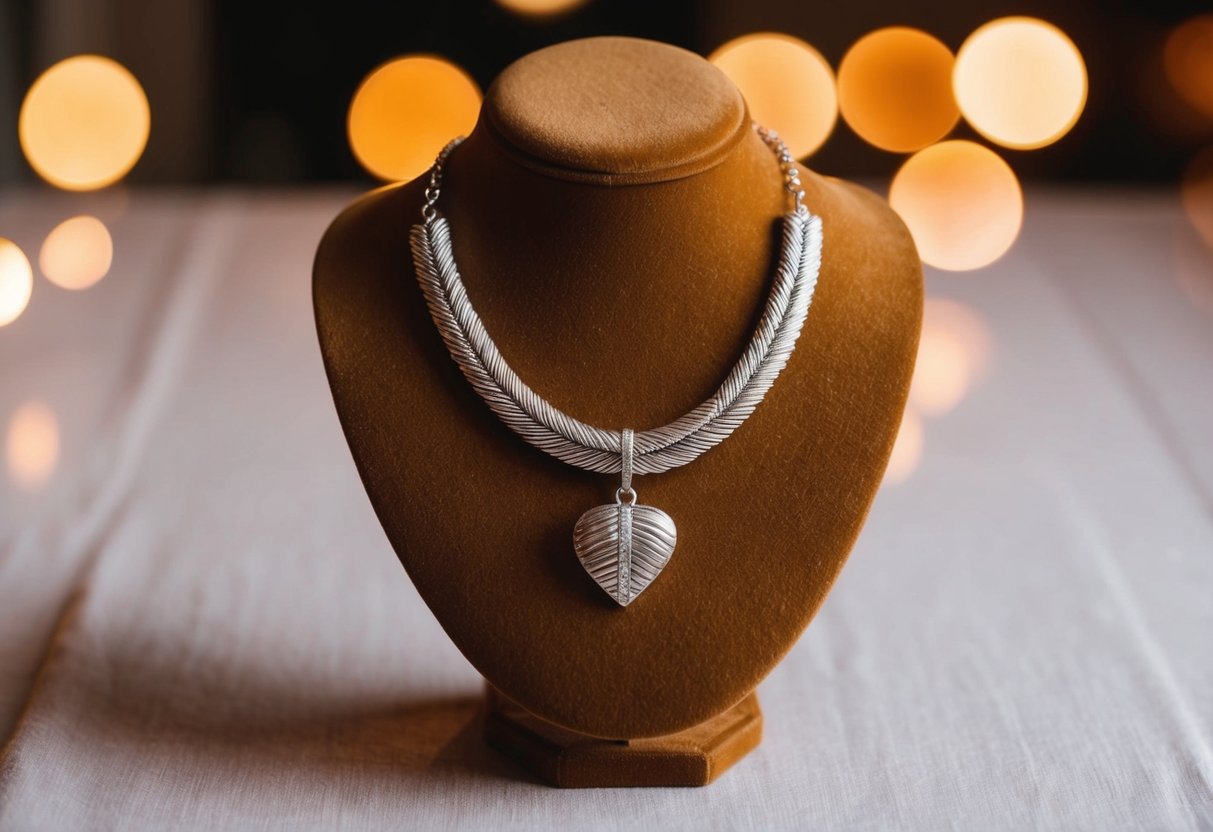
{"points": [[203, 627]]}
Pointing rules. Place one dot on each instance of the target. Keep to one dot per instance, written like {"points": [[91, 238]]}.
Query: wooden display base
{"points": [[560, 757]]}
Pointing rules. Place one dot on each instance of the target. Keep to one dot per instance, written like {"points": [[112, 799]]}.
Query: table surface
{"points": [[202, 626]]}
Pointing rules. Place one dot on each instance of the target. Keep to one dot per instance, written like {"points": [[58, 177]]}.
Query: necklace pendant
{"points": [[624, 546]]}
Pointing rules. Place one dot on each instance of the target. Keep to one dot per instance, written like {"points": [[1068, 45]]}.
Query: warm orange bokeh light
{"points": [[16, 281], [952, 354], [540, 8], [1196, 194], [406, 111], [788, 86], [32, 445], [961, 202], [84, 123], [895, 89], [77, 253], [1188, 61], [907, 450], [1020, 82]]}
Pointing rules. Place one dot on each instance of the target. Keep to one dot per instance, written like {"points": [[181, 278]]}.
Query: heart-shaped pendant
{"points": [[624, 546]]}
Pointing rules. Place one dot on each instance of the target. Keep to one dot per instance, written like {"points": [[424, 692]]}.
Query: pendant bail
{"points": [[628, 453]]}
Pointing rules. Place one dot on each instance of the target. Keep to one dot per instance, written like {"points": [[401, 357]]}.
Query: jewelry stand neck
{"points": [[656, 260]]}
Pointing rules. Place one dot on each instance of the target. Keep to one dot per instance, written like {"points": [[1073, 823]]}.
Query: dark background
{"points": [[246, 91]]}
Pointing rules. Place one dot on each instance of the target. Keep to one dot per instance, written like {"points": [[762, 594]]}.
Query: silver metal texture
{"points": [[598, 449], [624, 546], [627, 459]]}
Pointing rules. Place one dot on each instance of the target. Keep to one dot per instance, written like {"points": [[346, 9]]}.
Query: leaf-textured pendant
{"points": [[624, 546]]}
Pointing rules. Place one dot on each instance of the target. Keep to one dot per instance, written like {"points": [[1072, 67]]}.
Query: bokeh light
{"points": [[84, 123], [541, 8], [788, 86], [77, 253], [1196, 194], [907, 450], [895, 89], [961, 202], [32, 445], [1188, 62], [16, 281], [405, 111], [1020, 82], [953, 351]]}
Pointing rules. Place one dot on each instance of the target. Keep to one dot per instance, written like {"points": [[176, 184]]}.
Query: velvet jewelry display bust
{"points": [[616, 219]]}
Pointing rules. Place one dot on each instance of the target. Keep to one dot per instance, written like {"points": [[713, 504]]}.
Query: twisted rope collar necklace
{"points": [[625, 545]]}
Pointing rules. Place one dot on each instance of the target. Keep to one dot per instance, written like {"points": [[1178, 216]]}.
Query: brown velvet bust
{"points": [[615, 219]]}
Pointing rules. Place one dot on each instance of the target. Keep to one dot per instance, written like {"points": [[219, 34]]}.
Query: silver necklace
{"points": [[623, 545]]}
